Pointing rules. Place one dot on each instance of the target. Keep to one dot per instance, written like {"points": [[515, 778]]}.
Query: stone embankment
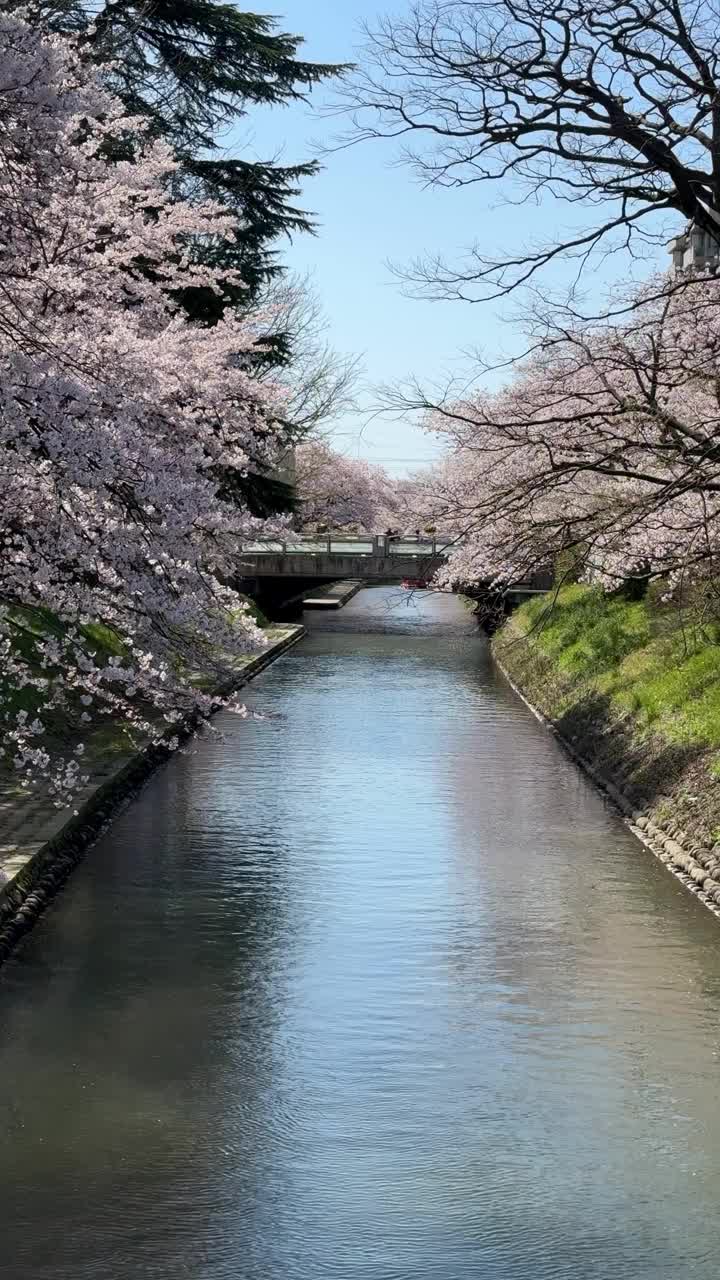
{"points": [[333, 596], [40, 845], [684, 851]]}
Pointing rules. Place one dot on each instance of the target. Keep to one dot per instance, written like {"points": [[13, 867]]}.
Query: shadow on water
{"points": [[160, 959], [374, 989]]}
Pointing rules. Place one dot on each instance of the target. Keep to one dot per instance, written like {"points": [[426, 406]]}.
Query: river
{"points": [[376, 988]]}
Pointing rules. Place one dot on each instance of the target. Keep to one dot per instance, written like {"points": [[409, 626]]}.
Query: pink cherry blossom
{"points": [[605, 442], [342, 492], [115, 413]]}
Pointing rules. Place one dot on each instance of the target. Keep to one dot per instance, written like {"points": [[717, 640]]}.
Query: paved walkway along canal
{"points": [[374, 989]]}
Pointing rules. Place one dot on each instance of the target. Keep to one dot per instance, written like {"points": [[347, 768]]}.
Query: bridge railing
{"points": [[352, 544]]}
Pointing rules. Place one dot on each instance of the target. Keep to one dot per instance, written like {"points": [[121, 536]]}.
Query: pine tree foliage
{"points": [[193, 68]]}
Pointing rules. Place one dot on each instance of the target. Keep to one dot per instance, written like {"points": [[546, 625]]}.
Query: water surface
{"points": [[374, 989]]}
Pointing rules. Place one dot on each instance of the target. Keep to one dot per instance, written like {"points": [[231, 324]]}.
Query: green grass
{"points": [[105, 737], [28, 627], [651, 662], [255, 612]]}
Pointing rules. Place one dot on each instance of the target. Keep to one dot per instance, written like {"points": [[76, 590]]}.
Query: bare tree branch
{"points": [[320, 381], [616, 108]]}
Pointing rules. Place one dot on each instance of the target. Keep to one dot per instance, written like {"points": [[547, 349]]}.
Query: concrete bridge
{"points": [[266, 566], [376, 559]]}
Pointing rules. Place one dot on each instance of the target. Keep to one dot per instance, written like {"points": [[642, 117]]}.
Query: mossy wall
{"points": [[634, 687]]}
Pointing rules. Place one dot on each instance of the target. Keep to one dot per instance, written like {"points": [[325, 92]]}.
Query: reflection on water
{"points": [[374, 990]]}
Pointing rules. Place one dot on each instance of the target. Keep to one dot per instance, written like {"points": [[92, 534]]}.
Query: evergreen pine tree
{"points": [[193, 68]]}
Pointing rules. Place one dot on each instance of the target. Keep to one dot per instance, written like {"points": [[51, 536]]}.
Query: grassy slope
{"points": [[104, 737], [635, 687]]}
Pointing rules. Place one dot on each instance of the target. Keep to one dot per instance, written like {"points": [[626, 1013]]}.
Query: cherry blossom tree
{"points": [[116, 415], [341, 492], [604, 444]]}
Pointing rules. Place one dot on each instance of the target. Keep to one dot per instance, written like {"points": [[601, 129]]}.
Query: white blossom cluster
{"points": [[115, 414], [607, 443]]}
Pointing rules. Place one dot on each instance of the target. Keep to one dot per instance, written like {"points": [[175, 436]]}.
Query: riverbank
{"points": [[40, 845], [633, 692]]}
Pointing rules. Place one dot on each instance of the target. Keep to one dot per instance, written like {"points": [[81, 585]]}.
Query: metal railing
{"points": [[380, 545]]}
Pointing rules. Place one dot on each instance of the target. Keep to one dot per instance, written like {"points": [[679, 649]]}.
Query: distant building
{"points": [[695, 250]]}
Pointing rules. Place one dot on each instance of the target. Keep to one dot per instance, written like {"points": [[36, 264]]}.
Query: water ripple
{"points": [[375, 990]]}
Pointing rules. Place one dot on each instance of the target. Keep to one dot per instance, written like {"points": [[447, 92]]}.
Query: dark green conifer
{"points": [[193, 69]]}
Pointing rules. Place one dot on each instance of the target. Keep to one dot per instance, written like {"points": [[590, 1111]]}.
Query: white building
{"points": [[694, 250]]}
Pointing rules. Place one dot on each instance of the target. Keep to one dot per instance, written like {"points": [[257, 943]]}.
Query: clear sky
{"points": [[370, 210]]}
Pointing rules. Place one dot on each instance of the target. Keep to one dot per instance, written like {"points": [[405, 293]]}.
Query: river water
{"points": [[376, 988]]}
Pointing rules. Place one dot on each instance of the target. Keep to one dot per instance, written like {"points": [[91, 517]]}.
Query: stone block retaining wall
{"points": [[41, 845], [674, 833]]}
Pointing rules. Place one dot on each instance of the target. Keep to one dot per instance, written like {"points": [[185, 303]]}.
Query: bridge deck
{"points": [[377, 559], [338, 544]]}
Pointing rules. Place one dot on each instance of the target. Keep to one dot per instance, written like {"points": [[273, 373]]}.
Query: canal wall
{"points": [[667, 796], [40, 845]]}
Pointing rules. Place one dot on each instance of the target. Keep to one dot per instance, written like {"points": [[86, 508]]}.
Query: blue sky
{"points": [[370, 210]]}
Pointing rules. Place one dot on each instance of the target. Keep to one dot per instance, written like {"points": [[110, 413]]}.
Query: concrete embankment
{"points": [[664, 795], [40, 844], [333, 596]]}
